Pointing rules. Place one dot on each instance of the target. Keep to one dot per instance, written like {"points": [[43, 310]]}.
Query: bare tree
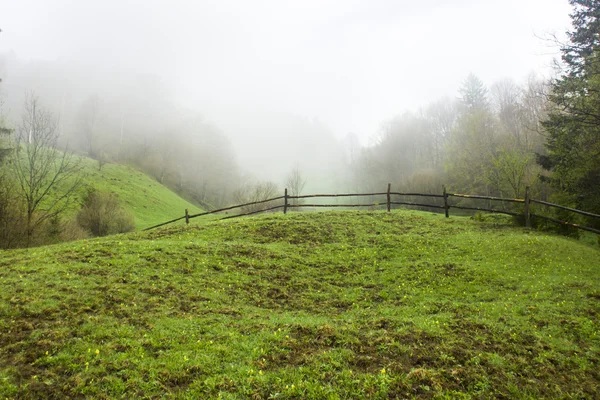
{"points": [[295, 182], [506, 102], [47, 177], [5, 133], [250, 193], [88, 119], [535, 107], [441, 118]]}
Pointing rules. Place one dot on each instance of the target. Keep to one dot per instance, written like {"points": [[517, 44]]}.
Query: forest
{"points": [[491, 138]]}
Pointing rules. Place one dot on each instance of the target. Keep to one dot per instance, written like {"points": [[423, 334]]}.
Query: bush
{"points": [[71, 230], [102, 214], [12, 217]]}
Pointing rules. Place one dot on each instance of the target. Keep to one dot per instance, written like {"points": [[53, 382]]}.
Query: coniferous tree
{"points": [[474, 93], [573, 124]]}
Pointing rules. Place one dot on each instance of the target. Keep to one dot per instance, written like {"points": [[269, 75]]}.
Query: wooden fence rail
{"points": [[558, 221], [418, 194], [407, 203], [254, 212], [588, 214], [492, 210], [388, 202], [336, 205], [187, 217], [306, 196], [469, 196]]}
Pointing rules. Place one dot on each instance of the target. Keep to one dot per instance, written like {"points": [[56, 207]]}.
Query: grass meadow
{"points": [[329, 305], [150, 202]]}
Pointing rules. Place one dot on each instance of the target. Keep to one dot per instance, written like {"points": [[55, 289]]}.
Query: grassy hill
{"points": [[150, 202], [320, 305]]}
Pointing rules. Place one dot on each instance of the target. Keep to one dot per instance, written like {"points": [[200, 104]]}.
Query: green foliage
{"points": [[578, 55], [4, 141], [40, 167], [573, 125], [103, 214], [512, 169], [471, 152], [150, 202], [483, 157], [322, 305], [12, 215]]}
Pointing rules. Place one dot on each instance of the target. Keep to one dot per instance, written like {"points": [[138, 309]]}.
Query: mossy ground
{"points": [[305, 305]]}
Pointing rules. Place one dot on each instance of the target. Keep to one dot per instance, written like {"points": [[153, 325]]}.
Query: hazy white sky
{"points": [[352, 64]]}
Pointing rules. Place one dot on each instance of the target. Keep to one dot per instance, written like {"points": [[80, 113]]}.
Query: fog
{"points": [[260, 87]]}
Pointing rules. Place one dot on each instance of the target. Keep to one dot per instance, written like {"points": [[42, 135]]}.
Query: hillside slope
{"points": [[150, 202], [305, 305]]}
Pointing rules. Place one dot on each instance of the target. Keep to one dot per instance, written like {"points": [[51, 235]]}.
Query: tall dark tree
{"points": [[573, 124]]}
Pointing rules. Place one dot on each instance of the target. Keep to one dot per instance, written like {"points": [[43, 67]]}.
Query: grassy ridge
{"points": [[150, 202], [321, 305]]}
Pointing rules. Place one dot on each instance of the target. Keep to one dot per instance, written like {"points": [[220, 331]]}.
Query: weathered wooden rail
{"points": [[388, 201]]}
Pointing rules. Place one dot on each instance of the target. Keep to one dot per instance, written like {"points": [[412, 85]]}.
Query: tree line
{"points": [[498, 140], [491, 140], [484, 142]]}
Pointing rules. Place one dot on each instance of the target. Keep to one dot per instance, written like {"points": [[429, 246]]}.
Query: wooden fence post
{"points": [[389, 197], [285, 202], [187, 216], [446, 201], [526, 208]]}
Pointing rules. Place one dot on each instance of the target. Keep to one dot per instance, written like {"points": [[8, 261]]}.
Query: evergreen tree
{"points": [[573, 124], [474, 93]]}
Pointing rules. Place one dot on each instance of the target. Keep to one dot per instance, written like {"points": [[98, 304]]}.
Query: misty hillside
{"points": [[304, 306], [116, 116], [150, 202], [331, 101]]}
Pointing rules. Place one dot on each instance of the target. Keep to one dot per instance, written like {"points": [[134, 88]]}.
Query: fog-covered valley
{"points": [[217, 100]]}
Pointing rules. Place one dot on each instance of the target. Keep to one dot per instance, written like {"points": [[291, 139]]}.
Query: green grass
{"points": [[305, 306], [150, 202]]}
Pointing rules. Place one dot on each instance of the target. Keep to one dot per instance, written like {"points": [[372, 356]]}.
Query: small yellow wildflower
{"points": [[383, 370], [260, 372], [97, 352]]}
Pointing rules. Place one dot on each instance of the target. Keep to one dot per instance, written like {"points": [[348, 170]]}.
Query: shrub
{"points": [[71, 230], [102, 214], [12, 217]]}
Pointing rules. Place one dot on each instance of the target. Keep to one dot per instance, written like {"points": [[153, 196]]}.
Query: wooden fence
{"points": [[388, 201]]}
